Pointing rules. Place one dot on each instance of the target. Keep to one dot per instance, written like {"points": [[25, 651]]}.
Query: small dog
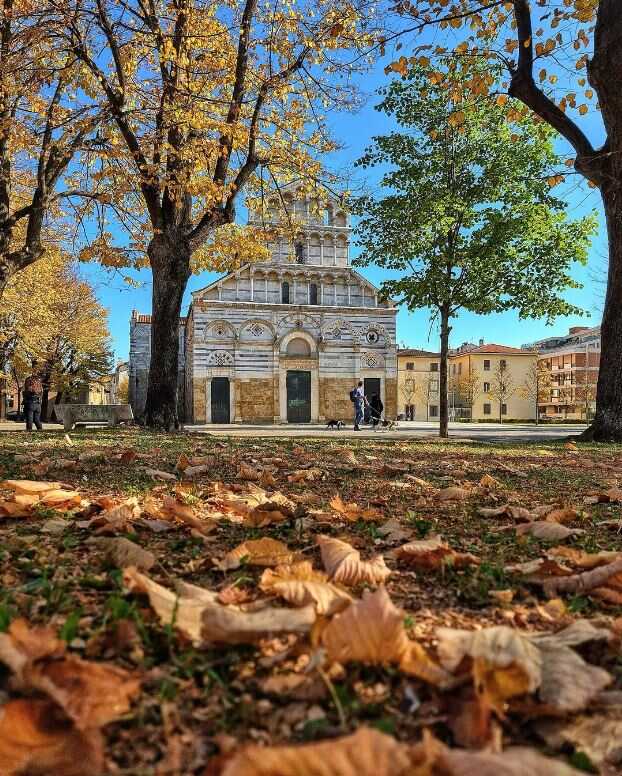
{"points": [[335, 424], [386, 425]]}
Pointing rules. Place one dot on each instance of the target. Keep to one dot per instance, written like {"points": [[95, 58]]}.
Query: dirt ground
{"points": [[206, 691]]}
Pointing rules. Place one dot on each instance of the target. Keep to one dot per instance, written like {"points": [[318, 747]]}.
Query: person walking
{"points": [[359, 402], [376, 408], [33, 395]]}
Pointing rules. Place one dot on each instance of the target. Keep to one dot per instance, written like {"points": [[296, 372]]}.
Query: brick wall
{"points": [[255, 399]]}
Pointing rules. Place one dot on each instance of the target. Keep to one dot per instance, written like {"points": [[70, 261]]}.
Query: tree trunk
{"points": [[169, 255], [607, 423], [444, 408]]}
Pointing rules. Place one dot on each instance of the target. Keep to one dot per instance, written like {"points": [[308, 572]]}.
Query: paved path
{"points": [[485, 432]]}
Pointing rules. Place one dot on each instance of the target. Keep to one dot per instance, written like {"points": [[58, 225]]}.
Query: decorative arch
{"points": [[299, 321], [298, 334], [337, 329], [220, 358], [219, 329], [257, 329]]}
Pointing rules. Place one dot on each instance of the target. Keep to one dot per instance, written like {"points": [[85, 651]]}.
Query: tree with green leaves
{"points": [[467, 217]]}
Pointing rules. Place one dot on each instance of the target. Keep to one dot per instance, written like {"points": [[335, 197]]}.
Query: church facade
{"points": [[282, 341]]}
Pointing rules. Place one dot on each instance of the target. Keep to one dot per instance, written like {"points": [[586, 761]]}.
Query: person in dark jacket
{"points": [[33, 395], [376, 408]]}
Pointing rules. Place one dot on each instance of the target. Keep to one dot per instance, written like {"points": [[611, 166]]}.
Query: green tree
{"points": [[468, 218]]}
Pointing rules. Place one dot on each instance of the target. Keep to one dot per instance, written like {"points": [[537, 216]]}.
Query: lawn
{"points": [[280, 656]]}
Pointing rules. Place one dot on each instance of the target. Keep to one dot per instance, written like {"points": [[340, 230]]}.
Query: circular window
{"points": [[373, 336]]}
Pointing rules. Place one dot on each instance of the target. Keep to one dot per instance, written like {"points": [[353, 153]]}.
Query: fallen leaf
{"points": [[394, 531], [488, 481], [256, 507], [598, 736], [299, 584], [585, 582], [452, 493], [246, 472], [582, 559], [158, 474], [433, 553], [91, 694], [364, 753], [174, 508], [507, 663], [344, 565], [300, 687], [562, 515], [547, 531], [198, 615], [353, 512], [37, 738], [122, 553], [305, 475], [257, 552], [372, 631]]}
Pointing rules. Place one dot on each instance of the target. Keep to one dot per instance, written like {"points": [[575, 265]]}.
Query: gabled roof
{"points": [[415, 353], [492, 348]]}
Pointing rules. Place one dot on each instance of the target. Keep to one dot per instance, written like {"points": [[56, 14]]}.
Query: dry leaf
{"points": [[582, 559], [198, 615], [157, 474], [255, 507], [547, 531], [598, 736], [431, 758], [562, 515], [372, 631], [433, 553], [301, 687], [122, 553], [257, 552], [353, 512], [305, 475], [488, 481], [300, 585], [507, 663], [516, 513], [246, 472], [364, 753], [585, 582], [344, 565], [91, 694], [174, 508], [452, 493], [36, 738], [267, 479]]}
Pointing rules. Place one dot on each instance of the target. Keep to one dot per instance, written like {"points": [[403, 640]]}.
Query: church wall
{"points": [[335, 398], [255, 400]]}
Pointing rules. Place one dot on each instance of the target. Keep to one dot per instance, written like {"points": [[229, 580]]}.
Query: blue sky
{"points": [[354, 131]]}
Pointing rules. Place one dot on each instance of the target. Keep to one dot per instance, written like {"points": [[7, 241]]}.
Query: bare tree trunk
{"points": [[607, 423], [170, 263], [443, 430]]}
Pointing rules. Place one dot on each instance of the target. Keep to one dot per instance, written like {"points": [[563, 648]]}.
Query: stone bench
{"points": [[73, 414]]}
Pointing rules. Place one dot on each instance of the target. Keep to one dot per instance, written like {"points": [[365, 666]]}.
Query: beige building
{"points": [[492, 382], [285, 340], [418, 384]]}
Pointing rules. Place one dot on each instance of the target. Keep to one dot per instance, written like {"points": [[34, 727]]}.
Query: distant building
{"points": [[418, 384], [119, 383], [571, 365], [490, 382]]}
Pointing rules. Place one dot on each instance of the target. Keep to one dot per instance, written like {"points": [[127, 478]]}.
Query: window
{"points": [[410, 366], [434, 386], [285, 293], [372, 336], [453, 369], [313, 293], [487, 409], [504, 409], [434, 367], [486, 365], [300, 258], [486, 387], [460, 368], [503, 364], [433, 411]]}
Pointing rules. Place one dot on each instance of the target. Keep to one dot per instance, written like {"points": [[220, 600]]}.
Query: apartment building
{"points": [[569, 366], [492, 382], [418, 384]]}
